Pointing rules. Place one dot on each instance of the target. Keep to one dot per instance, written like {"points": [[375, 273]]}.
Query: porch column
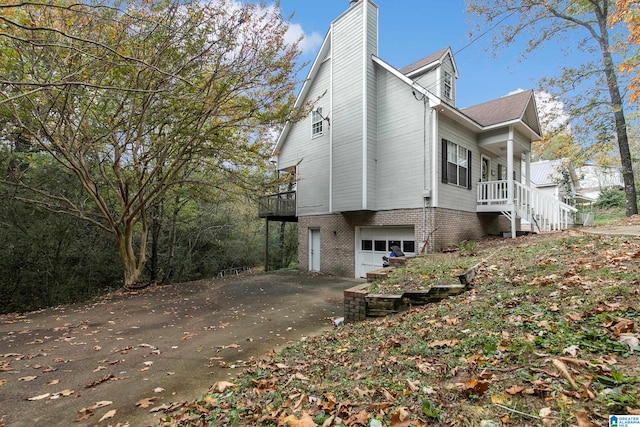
{"points": [[510, 184], [527, 160]]}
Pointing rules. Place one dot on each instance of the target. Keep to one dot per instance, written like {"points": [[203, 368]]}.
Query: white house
{"points": [[387, 158]]}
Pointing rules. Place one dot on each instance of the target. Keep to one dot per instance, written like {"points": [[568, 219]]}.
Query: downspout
{"points": [[434, 158], [330, 128], [426, 196]]}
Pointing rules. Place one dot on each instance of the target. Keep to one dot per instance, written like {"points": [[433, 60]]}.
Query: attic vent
{"points": [[353, 2]]}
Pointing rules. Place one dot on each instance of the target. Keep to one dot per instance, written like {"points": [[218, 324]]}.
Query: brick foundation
{"points": [[337, 232]]}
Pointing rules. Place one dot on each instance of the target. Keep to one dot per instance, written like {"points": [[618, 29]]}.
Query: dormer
{"points": [[438, 73]]}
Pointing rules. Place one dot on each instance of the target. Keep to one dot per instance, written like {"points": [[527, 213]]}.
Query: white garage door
{"points": [[372, 243]]}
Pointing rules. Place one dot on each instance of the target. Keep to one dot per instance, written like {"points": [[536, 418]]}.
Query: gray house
{"points": [[386, 158]]}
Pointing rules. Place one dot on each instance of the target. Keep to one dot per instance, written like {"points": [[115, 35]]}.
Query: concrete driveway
{"points": [[62, 366]]}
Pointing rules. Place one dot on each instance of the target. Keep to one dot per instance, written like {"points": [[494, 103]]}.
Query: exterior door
{"points": [[314, 250], [485, 168], [485, 172]]}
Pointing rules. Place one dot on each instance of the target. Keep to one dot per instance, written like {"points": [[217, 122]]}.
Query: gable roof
{"points": [[501, 110], [428, 62]]}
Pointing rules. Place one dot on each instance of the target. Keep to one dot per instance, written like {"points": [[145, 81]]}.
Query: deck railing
{"points": [[278, 205], [545, 211]]}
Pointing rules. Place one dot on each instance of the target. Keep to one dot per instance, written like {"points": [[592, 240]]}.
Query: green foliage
{"points": [[610, 198], [430, 410], [141, 111]]}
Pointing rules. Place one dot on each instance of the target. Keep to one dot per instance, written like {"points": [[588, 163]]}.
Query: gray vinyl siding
{"points": [[452, 196], [311, 155], [429, 81], [522, 141], [347, 114], [400, 153], [447, 66]]}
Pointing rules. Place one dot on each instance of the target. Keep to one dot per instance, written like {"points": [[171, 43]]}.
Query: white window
{"points": [[316, 122], [456, 164], [448, 84]]}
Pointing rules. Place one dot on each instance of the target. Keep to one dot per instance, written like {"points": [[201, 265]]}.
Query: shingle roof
{"points": [[423, 62], [501, 110]]}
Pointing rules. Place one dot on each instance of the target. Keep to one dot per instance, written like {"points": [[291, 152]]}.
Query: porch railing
{"points": [[278, 205], [543, 210]]}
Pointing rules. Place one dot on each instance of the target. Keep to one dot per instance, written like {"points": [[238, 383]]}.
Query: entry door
{"points": [[485, 168], [314, 250]]}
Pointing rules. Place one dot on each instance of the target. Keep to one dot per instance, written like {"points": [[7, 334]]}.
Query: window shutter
{"points": [[444, 161], [469, 170], [499, 172]]}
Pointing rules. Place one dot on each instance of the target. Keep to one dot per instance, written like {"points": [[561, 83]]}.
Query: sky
{"points": [[412, 29]]}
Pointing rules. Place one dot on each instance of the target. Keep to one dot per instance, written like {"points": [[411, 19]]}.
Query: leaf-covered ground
{"points": [[547, 336]]}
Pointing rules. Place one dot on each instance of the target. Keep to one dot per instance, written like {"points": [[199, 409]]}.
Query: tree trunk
{"points": [[620, 120], [173, 235], [133, 264], [156, 225]]}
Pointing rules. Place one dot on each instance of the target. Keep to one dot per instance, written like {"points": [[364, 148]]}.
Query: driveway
{"points": [[131, 353]]}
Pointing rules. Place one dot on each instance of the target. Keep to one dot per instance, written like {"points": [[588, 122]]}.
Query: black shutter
{"points": [[499, 172], [444, 162], [469, 170]]}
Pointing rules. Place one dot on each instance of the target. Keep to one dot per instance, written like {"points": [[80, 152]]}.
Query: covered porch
{"points": [[506, 188]]}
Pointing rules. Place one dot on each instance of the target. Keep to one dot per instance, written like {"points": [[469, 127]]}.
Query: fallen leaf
{"points": [[29, 378], [109, 414], [162, 407], [564, 371], [53, 382], [3, 382], [40, 397], [84, 414], [623, 325], [292, 421], [220, 386], [158, 390], [363, 417], [99, 381], [583, 419], [100, 404], [474, 386], [544, 412], [499, 399], [515, 389], [571, 350], [399, 416], [146, 402]]}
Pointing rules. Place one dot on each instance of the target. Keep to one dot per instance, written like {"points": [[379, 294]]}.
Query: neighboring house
{"points": [[594, 179], [557, 178], [386, 158], [560, 179]]}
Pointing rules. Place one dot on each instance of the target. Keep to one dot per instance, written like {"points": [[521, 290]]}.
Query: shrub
{"points": [[610, 198]]}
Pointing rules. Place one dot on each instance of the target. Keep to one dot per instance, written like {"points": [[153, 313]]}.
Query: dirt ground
{"points": [[75, 365]]}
